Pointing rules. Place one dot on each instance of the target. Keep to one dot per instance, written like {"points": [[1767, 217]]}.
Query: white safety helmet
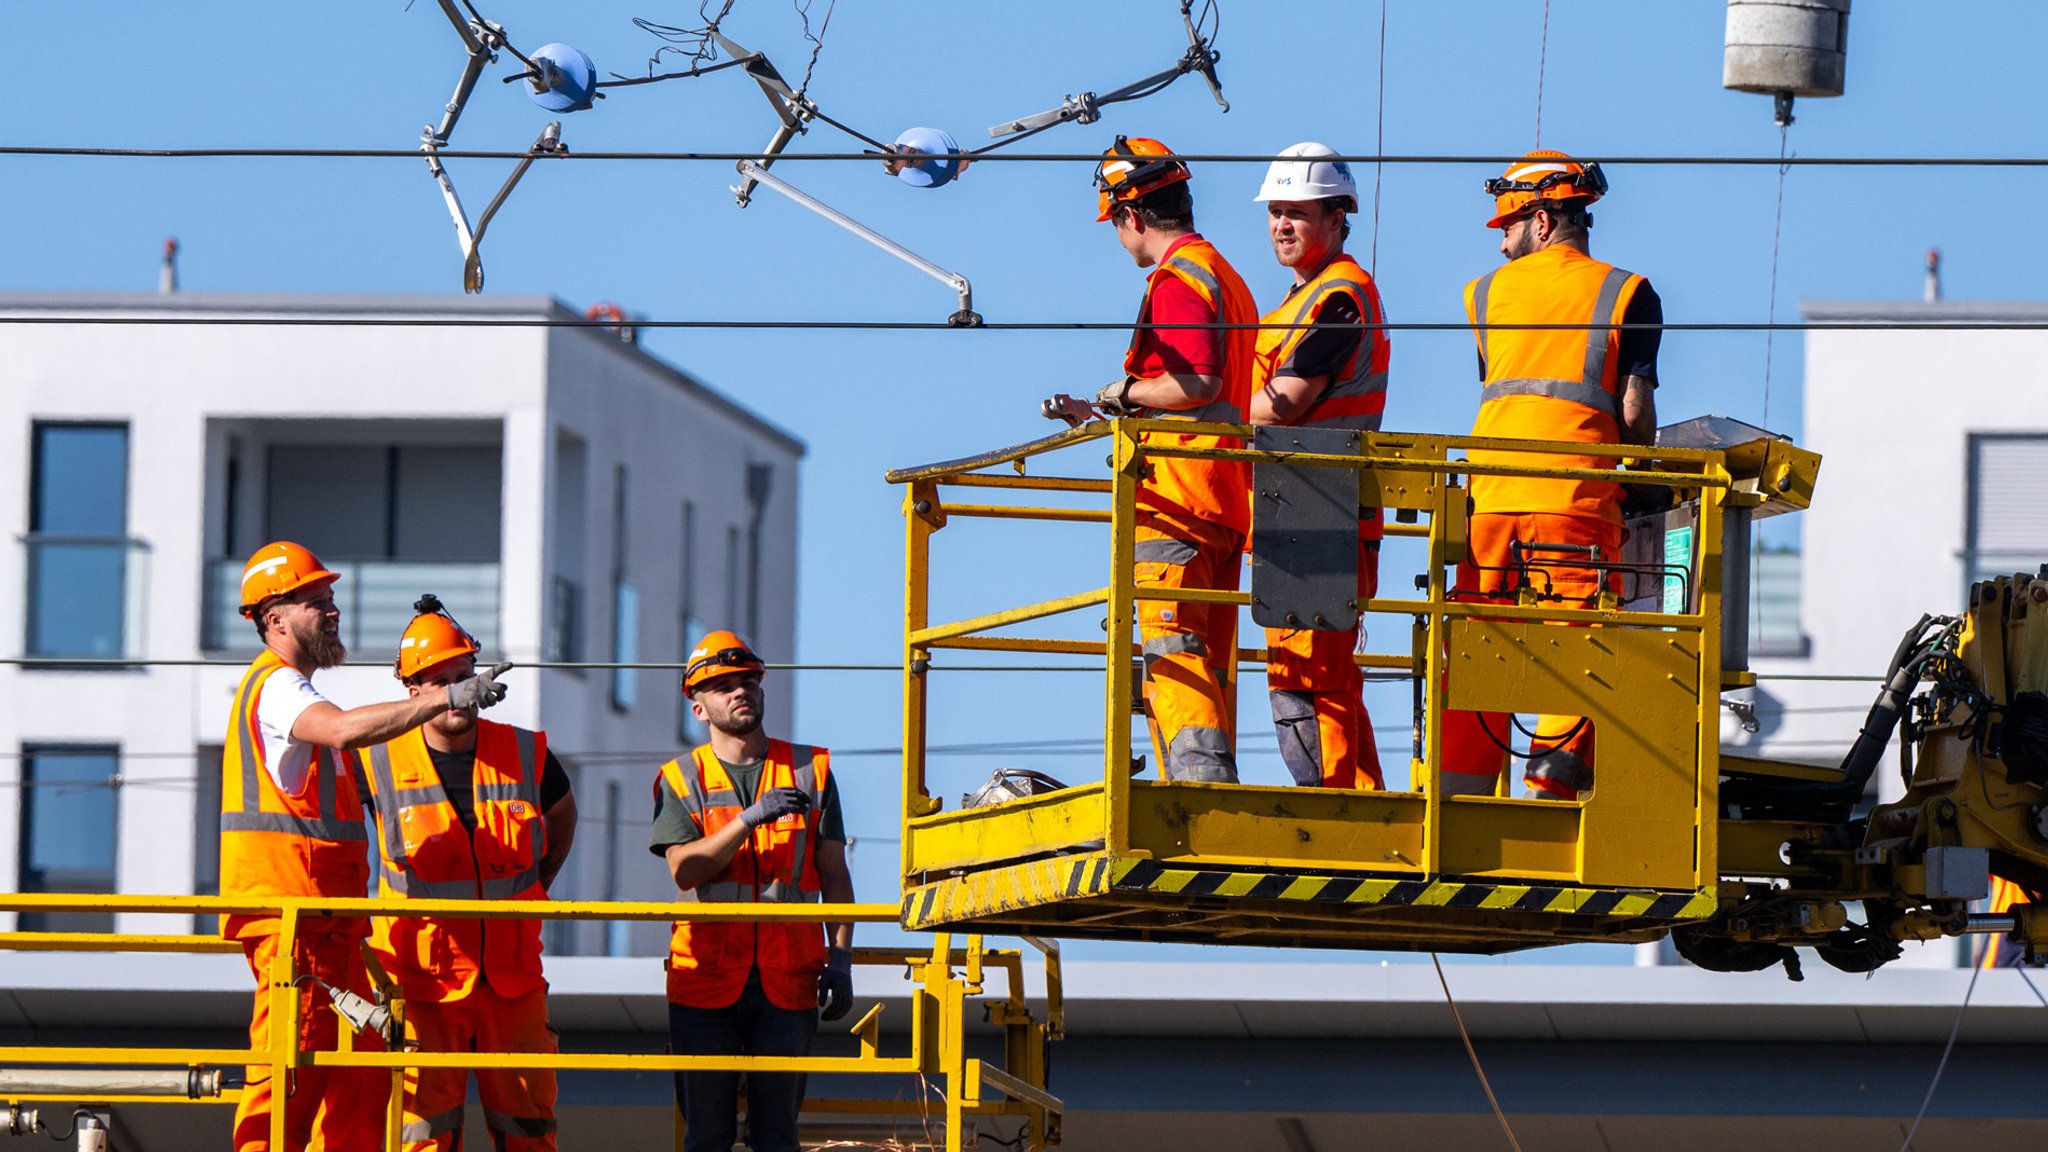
{"points": [[1301, 174]]}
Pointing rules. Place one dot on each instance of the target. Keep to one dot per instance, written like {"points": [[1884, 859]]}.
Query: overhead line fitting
{"points": [[1086, 108]]}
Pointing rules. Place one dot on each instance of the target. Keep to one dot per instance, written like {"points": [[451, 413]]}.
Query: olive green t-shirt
{"points": [[673, 824]]}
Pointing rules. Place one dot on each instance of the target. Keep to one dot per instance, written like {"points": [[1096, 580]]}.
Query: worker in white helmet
{"points": [[1317, 367]]}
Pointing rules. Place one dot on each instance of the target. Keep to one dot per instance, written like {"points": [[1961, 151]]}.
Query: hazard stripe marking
{"points": [[1063, 879]]}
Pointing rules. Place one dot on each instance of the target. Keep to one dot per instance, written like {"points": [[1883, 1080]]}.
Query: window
{"points": [[2006, 519], [78, 551], [688, 728], [68, 829], [564, 640], [625, 606]]}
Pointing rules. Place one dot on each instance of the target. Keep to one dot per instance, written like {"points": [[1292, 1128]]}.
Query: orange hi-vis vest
{"points": [[429, 855], [1210, 490], [1550, 383], [708, 964], [272, 844], [1356, 396]]}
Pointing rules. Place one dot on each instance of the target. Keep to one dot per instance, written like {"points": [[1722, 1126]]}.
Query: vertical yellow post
{"points": [[921, 515], [284, 1020], [1116, 727], [1444, 522], [1707, 808]]}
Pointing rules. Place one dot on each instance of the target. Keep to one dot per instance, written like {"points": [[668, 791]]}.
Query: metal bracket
{"points": [[965, 317], [482, 39], [1086, 108], [548, 143], [795, 112]]}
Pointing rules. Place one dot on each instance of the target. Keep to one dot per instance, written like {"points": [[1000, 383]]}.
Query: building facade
{"points": [[571, 498]]}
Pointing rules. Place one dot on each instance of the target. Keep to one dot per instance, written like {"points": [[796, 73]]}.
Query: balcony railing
{"points": [[375, 596], [84, 596]]}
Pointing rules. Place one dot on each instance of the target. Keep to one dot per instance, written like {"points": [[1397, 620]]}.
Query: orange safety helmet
{"points": [[279, 569], [719, 654], [1543, 175], [1134, 166], [433, 636]]}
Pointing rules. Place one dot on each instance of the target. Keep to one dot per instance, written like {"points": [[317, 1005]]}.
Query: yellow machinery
{"points": [[946, 977], [1657, 846]]}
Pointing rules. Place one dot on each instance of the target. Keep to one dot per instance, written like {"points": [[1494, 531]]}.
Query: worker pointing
{"points": [[747, 819], [1555, 539], [467, 810], [291, 826], [1192, 515], [1315, 368]]}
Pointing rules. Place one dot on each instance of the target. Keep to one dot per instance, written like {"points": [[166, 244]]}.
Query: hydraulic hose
{"points": [[1884, 713]]}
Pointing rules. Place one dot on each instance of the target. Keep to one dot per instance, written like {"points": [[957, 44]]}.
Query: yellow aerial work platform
{"points": [[1148, 859]]}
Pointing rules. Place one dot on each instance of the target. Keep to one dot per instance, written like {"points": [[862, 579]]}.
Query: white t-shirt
{"points": [[283, 697]]}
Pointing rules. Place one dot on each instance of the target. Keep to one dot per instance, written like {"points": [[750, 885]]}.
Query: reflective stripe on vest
{"points": [[393, 801], [1212, 491], [1549, 373], [1355, 397], [325, 822], [772, 890], [1590, 388]]}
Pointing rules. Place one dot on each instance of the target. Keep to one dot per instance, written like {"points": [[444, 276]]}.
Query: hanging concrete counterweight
{"points": [[1786, 48]]}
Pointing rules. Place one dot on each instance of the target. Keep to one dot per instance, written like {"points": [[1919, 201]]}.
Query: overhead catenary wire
{"points": [[413, 155], [199, 316]]}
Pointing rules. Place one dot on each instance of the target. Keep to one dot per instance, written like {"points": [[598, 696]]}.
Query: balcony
{"points": [[376, 599], [85, 596]]}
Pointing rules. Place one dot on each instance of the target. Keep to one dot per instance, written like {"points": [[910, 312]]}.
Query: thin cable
{"points": [[1946, 1051], [803, 12], [696, 43], [1474, 1054], [2032, 987], [413, 155], [1379, 142], [1001, 326], [1542, 57], [1777, 230]]}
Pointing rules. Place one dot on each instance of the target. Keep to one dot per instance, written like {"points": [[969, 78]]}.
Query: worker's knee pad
{"points": [[1301, 739], [1559, 772], [1201, 754]]}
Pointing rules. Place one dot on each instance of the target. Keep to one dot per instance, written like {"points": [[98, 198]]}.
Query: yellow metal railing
{"points": [[945, 977], [1600, 840]]}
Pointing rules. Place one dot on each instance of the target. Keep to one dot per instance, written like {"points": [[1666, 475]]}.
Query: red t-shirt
{"points": [[1190, 351]]}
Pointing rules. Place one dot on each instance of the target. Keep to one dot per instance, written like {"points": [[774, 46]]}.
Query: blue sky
{"points": [[1621, 77]]}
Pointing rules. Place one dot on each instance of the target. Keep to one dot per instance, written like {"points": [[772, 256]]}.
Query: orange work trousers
{"points": [[1476, 744], [324, 1108], [519, 1103], [1190, 650], [1318, 697]]}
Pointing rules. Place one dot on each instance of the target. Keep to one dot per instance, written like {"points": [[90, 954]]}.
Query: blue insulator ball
{"points": [[929, 171], [570, 77]]}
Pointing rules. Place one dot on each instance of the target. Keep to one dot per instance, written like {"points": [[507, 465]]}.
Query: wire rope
{"points": [[412, 154], [1472, 1052], [1946, 1051], [1542, 58], [1379, 142], [46, 314]]}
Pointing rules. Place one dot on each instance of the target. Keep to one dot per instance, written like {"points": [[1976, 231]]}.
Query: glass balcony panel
{"points": [[84, 596], [375, 597]]}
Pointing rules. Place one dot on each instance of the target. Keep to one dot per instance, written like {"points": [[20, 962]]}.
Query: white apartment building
{"points": [[569, 496], [1934, 467]]}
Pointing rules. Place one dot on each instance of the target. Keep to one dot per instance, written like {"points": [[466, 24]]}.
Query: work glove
{"points": [[835, 984], [479, 691], [1114, 401], [773, 805]]}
